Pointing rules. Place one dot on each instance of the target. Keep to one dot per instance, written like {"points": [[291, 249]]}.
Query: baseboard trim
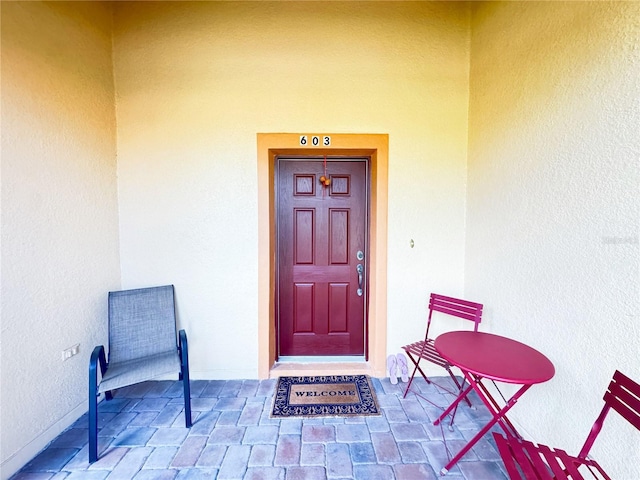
{"points": [[24, 455]]}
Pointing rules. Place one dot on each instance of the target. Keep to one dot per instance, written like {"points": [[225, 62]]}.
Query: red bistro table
{"points": [[487, 356]]}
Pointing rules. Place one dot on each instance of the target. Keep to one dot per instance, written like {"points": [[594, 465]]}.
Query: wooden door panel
{"points": [[338, 307], [338, 236], [303, 314], [303, 236], [320, 231]]}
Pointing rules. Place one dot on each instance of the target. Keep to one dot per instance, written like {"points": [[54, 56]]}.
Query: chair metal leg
{"points": [[187, 400], [416, 368], [93, 427], [459, 385], [406, 390], [184, 373], [97, 359]]}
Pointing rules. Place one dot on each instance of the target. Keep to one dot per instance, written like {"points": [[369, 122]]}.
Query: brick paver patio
{"points": [[142, 437]]}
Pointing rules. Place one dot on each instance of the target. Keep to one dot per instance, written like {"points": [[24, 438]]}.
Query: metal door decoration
{"points": [[325, 179]]}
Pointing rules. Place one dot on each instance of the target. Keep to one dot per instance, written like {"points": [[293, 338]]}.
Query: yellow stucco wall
{"points": [[554, 205], [196, 81], [59, 215], [540, 98]]}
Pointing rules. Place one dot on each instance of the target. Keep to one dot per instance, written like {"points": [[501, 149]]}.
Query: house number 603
{"points": [[315, 140]]}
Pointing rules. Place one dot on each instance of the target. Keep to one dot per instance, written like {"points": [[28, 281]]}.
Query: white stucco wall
{"points": [[553, 216], [196, 81], [59, 215]]}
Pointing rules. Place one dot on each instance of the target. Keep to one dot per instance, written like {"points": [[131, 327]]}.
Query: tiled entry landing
{"points": [[142, 437]]}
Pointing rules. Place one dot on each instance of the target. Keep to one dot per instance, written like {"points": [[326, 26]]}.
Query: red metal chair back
{"points": [[456, 307], [524, 459], [623, 395]]}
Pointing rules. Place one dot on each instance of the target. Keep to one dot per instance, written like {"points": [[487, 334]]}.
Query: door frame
{"points": [[365, 246], [374, 146]]}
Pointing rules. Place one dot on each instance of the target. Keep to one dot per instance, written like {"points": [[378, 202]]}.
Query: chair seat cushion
{"points": [[122, 374]]}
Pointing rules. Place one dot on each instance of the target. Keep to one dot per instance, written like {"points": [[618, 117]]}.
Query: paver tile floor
{"points": [[142, 437]]}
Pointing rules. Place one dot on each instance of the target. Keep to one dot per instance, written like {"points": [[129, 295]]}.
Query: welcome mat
{"points": [[332, 395]]}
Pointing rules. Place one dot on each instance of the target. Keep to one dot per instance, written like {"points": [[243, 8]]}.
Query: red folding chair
{"points": [[526, 460], [424, 349]]}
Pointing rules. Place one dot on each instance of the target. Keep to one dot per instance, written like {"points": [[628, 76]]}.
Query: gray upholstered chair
{"points": [[143, 345]]}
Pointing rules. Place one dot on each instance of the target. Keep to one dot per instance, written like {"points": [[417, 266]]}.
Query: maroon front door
{"points": [[321, 256]]}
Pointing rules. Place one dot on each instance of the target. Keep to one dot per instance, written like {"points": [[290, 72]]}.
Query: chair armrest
{"points": [[97, 358], [183, 345]]}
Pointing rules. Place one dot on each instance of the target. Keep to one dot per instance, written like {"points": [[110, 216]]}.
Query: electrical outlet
{"points": [[70, 352]]}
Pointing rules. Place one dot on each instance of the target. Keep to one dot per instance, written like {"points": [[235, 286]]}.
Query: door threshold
{"points": [[342, 366], [321, 359]]}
